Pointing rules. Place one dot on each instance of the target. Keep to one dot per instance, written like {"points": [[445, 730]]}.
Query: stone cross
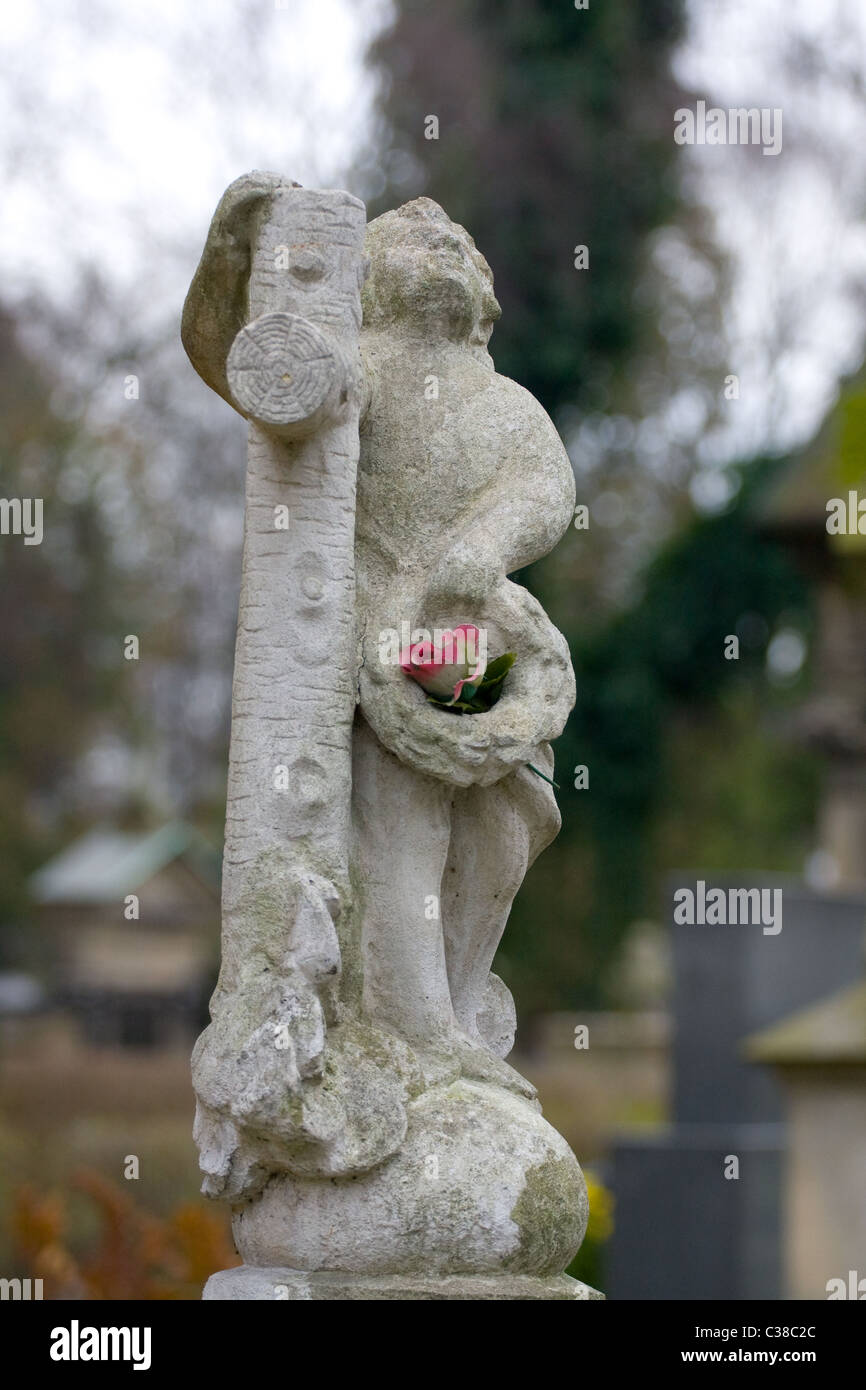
{"points": [[353, 1101]]}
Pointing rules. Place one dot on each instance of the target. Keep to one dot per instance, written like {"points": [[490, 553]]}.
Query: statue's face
{"points": [[425, 270]]}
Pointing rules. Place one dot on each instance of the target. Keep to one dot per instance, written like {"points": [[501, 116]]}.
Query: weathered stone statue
{"points": [[353, 1101]]}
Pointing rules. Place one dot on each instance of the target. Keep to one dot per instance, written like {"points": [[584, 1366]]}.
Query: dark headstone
{"points": [[682, 1229]]}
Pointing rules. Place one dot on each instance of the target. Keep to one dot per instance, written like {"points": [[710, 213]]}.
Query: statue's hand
{"points": [[283, 1082], [428, 739], [267, 1037], [477, 748]]}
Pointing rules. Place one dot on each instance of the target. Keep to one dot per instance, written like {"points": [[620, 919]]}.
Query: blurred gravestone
{"points": [[819, 1055], [683, 1229]]}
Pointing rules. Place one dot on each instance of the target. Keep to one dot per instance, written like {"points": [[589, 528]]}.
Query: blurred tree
{"points": [[59, 673], [155, 472], [554, 131], [685, 765], [142, 508]]}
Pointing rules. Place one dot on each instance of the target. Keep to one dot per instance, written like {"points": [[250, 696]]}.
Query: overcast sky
{"points": [[794, 223], [121, 123]]}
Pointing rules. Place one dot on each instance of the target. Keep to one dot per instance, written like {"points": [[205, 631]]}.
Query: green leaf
{"points": [[478, 699], [453, 708], [498, 670]]}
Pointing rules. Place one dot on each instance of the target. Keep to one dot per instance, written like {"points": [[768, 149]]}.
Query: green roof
{"points": [[832, 465], [106, 864]]}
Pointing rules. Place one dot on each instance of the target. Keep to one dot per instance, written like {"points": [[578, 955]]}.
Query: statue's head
{"points": [[426, 270]]}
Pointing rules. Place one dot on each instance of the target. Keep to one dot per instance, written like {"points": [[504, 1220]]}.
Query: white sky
{"points": [[794, 223], [121, 123]]}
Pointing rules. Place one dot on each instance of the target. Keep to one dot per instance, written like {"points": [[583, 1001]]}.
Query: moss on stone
{"points": [[552, 1201]]}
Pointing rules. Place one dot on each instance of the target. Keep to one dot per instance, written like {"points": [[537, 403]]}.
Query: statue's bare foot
{"points": [[460, 1055], [478, 1063]]}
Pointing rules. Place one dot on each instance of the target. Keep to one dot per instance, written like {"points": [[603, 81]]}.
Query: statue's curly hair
{"points": [[425, 222]]}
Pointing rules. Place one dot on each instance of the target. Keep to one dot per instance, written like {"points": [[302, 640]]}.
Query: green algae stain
{"points": [[551, 1215]]}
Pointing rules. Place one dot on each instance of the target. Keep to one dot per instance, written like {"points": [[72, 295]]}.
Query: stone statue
{"points": [[353, 1101]]}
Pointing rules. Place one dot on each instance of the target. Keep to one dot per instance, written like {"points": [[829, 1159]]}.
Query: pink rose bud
{"points": [[444, 670]]}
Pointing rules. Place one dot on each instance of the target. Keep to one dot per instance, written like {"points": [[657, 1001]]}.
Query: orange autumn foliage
{"points": [[135, 1254]]}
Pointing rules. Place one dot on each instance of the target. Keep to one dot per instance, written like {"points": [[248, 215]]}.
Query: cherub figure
{"points": [[462, 481]]}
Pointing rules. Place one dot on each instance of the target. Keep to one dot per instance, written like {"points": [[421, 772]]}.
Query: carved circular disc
{"points": [[281, 368]]}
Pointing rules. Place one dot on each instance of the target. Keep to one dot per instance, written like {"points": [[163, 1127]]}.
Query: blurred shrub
{"points": [[133, 1255], [588, 1263]]}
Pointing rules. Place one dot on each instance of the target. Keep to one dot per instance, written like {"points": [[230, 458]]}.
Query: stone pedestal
{"points": [[481, 1184], [292, 1285]]}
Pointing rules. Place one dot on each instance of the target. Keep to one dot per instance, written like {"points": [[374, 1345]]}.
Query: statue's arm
{"points": [[521, 515], [520, 518], [217, 302], [478, 748]]}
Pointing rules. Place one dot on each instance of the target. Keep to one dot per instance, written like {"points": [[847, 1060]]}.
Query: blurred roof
{"points": [[831, 465], [833, 1031], [107, 864]]}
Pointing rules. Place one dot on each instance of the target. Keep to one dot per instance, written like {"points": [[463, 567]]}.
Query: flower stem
{"points": [[542, 776]]}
